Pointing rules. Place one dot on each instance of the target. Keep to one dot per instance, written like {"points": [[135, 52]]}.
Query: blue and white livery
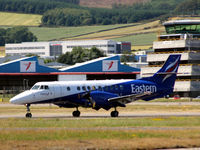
{"points": [[102, 93]]}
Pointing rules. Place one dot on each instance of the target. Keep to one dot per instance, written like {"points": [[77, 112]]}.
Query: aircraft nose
{"points": [[22, 98], [17, 99], [14, 100]]}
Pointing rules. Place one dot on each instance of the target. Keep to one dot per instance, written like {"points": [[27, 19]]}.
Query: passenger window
{"points": [[46, 87], [68, 88], [116, 87], [83, 88], [111, 87], [99, 88], [93, 88], [121, 87], [42, 87], [106, 88], [88, 88], [78, 88]]}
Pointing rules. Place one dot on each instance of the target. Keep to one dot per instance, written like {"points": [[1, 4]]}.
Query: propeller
{"points": [[89, 98]]}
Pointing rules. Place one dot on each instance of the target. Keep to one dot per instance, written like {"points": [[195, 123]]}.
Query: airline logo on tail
{"points": [[171, 68]]}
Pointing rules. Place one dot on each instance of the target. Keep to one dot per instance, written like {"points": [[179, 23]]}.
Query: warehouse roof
{"points": [[101, 65], [30, 66], [27, 65]]}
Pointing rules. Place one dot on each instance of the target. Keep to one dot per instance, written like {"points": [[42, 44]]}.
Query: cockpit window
{"points": [[46, 87], [35, 87]]}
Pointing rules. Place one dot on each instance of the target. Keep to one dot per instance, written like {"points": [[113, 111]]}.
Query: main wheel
{"points": [[28, 115], [76, 113], [114, 114]]}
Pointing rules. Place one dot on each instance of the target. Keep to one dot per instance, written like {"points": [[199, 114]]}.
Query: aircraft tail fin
{"points": [[167, 74]]}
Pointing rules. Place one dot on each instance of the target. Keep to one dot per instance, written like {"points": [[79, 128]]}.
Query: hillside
{"points": [[108, 3], [140, 34], [17, 19], [127, 31]]}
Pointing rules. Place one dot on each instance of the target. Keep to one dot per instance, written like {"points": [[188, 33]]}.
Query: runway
{"points": [[47, 111], [101, 115]]}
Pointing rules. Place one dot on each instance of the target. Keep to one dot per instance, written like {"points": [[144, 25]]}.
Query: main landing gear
{"points": [[114, 113], [28, 114], [76, 113]]}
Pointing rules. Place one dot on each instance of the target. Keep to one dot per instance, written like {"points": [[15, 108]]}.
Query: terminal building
{"points": [[56, 48], [183, 37]]}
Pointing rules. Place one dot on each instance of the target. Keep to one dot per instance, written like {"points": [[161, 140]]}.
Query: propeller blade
{"points": [[89, 98]]}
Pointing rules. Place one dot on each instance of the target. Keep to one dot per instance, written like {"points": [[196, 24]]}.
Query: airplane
{"points": [[106, 94]]}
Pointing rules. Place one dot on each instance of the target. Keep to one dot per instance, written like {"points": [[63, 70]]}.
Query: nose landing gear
{"points": [[28, 114]]}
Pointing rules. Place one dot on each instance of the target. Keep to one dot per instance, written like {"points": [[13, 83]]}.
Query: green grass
{"points": [[101, 122], [143, 34], [100, 133], [100, 32], [63, 135], [139, 39], [46, 34], [88, 135], [119, 133], [121, 32], [17, 19]]}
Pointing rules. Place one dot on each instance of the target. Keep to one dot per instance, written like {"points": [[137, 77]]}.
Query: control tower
{"points": [[182, 37]]}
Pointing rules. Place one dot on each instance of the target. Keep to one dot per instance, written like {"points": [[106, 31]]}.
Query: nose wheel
{"points": [[28, 114], [76, 113]]}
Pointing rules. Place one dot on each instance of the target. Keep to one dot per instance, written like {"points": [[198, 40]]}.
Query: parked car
{"points": [[176, 97]]}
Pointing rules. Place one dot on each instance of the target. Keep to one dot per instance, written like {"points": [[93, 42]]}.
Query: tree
{"points": [[16, 35], [2, 37], [127, 57], [188, 7], [95, 53], [65, 58], [79, 54], [19, 34]]}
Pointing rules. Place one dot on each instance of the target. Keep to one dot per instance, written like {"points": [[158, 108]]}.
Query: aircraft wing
{"points": [[129, 98]]}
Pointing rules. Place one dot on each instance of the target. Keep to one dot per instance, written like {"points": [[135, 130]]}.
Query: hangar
{"points": [[21, 74], [100, 69]]}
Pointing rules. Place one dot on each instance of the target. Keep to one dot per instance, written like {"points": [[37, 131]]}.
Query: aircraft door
{"points": [[57, 91]]}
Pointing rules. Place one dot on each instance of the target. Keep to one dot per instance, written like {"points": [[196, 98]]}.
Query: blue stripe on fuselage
{"points": [[121, 89]]}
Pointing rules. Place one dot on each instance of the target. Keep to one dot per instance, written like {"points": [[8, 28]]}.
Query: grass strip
{"points": [[101, 122], [150, 139]]}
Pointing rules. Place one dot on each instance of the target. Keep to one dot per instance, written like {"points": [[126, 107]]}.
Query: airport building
{"points": [[56, 48], [23, 73], [183, 37]]}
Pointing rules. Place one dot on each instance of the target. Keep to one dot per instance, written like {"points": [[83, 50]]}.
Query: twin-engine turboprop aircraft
{"points": [[102, 93]]}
